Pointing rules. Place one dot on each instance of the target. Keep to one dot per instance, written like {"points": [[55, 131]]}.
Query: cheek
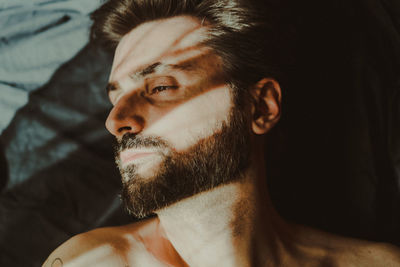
{"points": [[193, 120]]}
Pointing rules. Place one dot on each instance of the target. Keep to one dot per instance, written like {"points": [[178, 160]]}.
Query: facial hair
{"points": [[218, 159]]}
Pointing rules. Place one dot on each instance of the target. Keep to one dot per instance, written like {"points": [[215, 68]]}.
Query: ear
{"points": [[266, 107]]}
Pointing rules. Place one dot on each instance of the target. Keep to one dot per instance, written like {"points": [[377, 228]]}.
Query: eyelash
{"points": [[156, 89]]}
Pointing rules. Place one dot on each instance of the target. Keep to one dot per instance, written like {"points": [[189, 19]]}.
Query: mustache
{"points": [[130, 140]]}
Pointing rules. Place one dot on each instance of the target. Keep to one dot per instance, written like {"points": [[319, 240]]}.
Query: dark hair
{"points": [[249, 35]]}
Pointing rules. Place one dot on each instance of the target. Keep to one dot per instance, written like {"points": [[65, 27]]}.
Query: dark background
{"points": [[334, 159], [340, 163]]}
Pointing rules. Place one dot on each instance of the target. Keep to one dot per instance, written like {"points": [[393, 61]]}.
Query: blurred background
{"points": [[333, 161]]}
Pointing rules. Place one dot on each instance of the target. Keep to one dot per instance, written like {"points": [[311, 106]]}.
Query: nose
{"points": [[123, 118]]}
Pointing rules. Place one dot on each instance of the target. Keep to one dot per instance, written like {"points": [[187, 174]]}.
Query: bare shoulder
{"points": [[357, 252], [92, 248], [339, 251], [364, 253], [110, 246]]}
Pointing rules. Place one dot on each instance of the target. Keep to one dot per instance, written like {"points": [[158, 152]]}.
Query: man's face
{"points": [[177, 129]]}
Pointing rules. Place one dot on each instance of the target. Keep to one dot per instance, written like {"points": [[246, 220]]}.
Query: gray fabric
{"points": [[36, 37], [61, 179], [57, 173]]}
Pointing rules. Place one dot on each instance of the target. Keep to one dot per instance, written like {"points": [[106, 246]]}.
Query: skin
{"points": [[231, 225]]}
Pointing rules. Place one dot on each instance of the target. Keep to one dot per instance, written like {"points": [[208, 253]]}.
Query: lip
{"points": [[129, 155]]}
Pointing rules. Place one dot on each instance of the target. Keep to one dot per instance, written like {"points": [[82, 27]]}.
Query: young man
{"points": [[194, 87]]}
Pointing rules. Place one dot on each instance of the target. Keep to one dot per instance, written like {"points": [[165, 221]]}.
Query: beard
{"points": [[213, 161]]}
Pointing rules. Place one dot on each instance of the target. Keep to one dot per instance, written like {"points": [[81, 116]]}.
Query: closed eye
{"points": [[161, 88]]}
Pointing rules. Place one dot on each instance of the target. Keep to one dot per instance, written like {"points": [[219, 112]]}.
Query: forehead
{"points": [[173, 41]]}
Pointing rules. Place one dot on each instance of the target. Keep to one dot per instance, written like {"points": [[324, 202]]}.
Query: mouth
{"points": [[130, 156]]}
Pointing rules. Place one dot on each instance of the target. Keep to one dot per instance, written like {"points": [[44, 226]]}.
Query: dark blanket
{"points": [[334, 159], [61, 154]]}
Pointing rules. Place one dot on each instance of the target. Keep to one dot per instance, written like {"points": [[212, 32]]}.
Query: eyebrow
{"points": [[137, 75], [146, 71]]}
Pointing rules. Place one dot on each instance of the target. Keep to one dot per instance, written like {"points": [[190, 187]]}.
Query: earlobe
{"points": [[266, 105]]}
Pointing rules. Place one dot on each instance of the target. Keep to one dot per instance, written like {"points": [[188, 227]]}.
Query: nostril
{"points": [[125, 128], [128, 124]]}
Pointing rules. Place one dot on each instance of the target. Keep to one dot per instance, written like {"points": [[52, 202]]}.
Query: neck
{"points": [[231, 225]]}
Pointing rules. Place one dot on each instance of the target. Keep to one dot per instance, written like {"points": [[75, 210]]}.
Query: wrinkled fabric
{"points": [[57, 174], [61, 177], [37, 37]]}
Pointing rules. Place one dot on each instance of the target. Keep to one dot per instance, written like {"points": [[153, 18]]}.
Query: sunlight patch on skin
{"points": [[185, 121], [99, 256], [174, 116], [106, 255], [148, 166], [207, 248], [195, 56], [139, 255], [156, 44], [184, 126]]}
